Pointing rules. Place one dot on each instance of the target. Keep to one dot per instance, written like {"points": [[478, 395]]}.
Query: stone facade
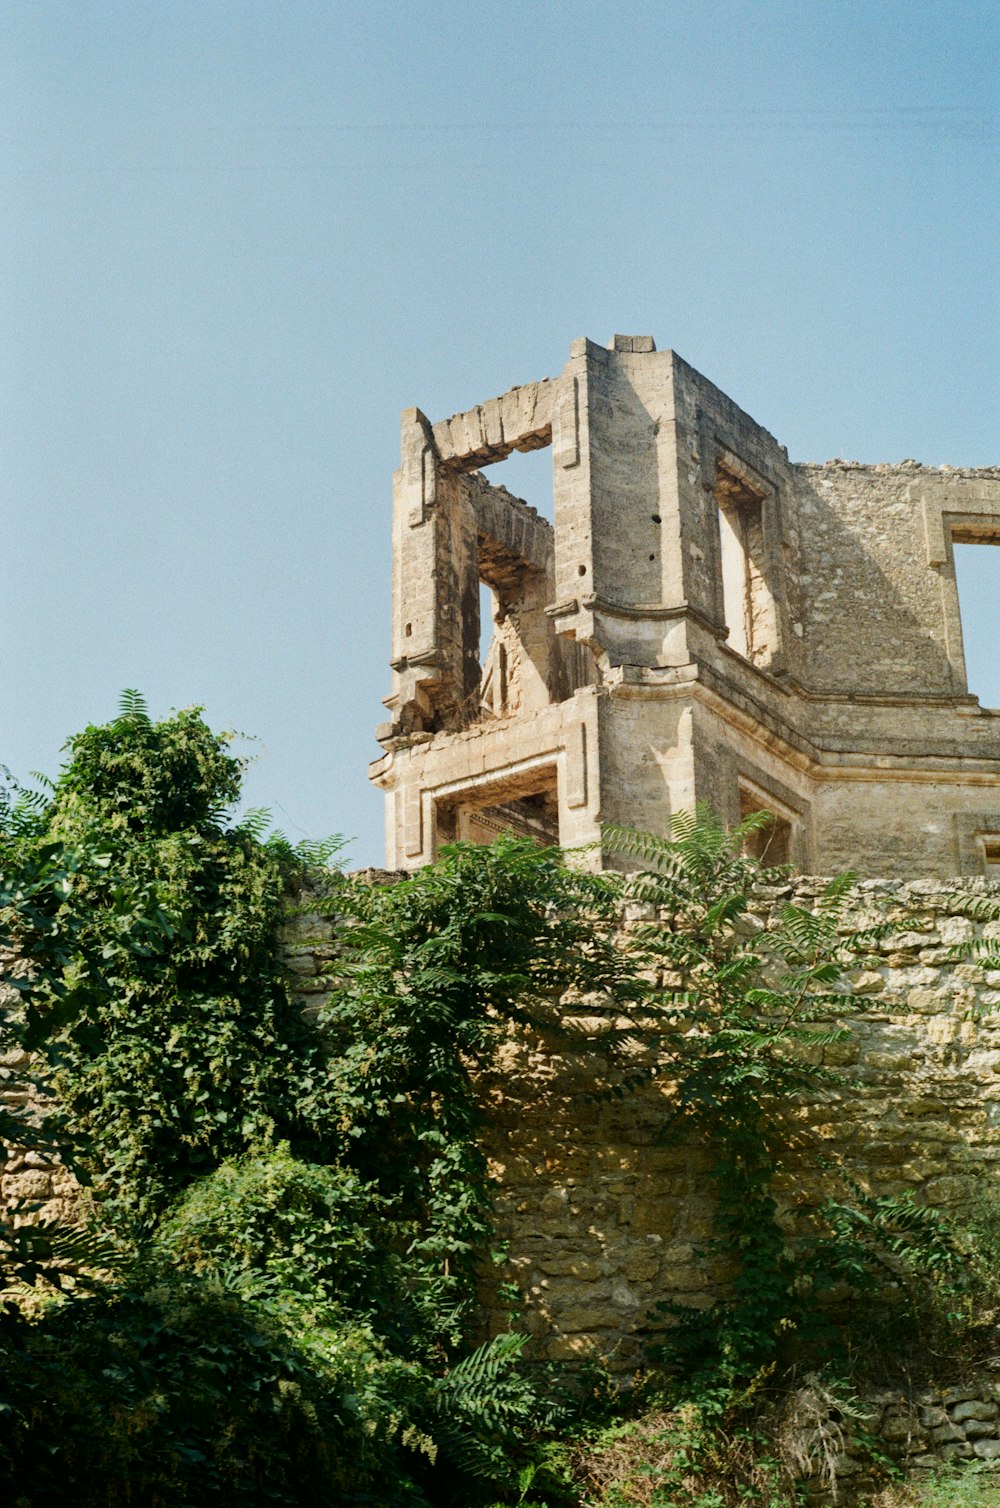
{"points": [[707, 620]]}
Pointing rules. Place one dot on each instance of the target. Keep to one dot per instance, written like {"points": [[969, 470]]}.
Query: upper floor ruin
{"points": [[705, 621]]}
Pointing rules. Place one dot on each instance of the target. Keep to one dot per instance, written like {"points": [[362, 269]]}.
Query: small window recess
{"points": [[747, 599], [977, 579], [772, 843], [991, 857]]}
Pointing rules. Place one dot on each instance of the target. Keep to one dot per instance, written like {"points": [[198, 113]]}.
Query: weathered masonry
{"points": [[706, 621]]}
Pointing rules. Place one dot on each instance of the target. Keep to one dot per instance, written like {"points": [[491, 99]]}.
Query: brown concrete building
{"points": [[707, 621]]}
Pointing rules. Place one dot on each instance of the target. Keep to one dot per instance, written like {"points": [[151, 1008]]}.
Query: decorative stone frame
{"points": [[964, 514], [449, 806]]}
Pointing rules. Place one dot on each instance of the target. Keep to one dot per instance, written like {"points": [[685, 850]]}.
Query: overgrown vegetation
{"points": [[274, 1300], [292, 1217], [741, 1022]]}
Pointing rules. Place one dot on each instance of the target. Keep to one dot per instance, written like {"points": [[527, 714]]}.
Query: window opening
{"points": [[977, 576], [523, 665], [526, 474], [494, 654], [487, 627], [748, 603], [772, 843], [991, 855], [526, 805]]}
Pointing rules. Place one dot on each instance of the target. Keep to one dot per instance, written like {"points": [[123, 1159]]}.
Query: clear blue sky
{"points": [[239, 237]]}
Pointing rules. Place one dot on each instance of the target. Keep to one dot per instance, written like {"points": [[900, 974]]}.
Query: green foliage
{"points": [[919, 1290], [292, 1218], [186, 1393], [961, 1484], [434, 971], [678, 1458], [223, 1390], [149, 779], [162, 1012], [743, 1016], [308, 1228], [50, 1252], [279, 1225]]}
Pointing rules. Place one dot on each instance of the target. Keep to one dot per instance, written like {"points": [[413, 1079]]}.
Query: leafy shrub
{"points": [[186, 1393], [433, 972], [308, 1228], [163, 1013]]}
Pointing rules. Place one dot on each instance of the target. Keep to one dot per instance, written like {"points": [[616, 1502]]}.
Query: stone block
{"points": [[973, 1408], [641, 1266], [569, 1348], [963, 1452], [32, 1183], [944, 1434], [933, 1417], [901, 1427], [980, 1429], [566, 1264], [867, 982], [683, 1280]]}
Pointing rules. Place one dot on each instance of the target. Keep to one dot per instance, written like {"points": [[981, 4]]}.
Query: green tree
{"points": [[299, 1212], [162, 1009]]}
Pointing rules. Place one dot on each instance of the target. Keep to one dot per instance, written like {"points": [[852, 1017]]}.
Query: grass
{"points": [[972, 1485]]}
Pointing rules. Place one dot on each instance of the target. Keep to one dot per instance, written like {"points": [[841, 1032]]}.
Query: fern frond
{"points": [[482, 1366], [834, 893], [976, 908], [648, 848], [255, 822], [45, 1249], [132, 706]]}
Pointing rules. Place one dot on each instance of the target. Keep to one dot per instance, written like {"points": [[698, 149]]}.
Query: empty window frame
{"points": [[977, 578], [748, 602], [526, 805], [772, 842]]}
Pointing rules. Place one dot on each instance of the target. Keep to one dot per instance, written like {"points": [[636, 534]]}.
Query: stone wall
{"points": [[602, 1220], [920, 1433]]}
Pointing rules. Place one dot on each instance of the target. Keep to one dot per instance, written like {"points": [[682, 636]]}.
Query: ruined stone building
{"points": [[706, 621]]}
